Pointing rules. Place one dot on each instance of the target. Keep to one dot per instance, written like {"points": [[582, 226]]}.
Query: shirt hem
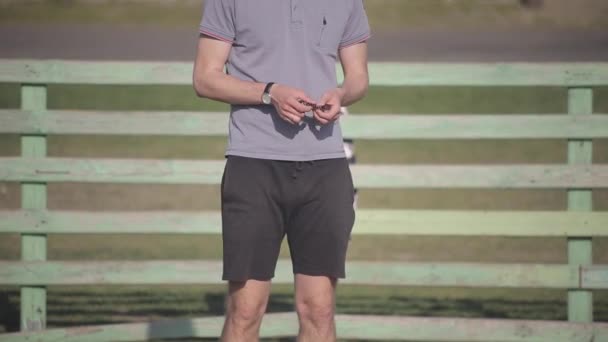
{"points": [[286, 157], [215, 33], [357, 40]]}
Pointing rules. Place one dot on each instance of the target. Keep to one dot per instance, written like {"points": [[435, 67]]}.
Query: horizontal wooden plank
{"points": [[462, 329], [358, 272], [365, 176], [118, 222], [475, 176], [113, 123], [594, 276], [111, 170], [481, 223], [276, 325], [368, 221], [354, 126], [462, 274], [384, 74], [452, 126], [488, 74], [94, 72]]}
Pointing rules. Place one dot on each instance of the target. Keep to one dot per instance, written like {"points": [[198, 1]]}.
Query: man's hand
{"points": [[332, 99], [286, 100]]}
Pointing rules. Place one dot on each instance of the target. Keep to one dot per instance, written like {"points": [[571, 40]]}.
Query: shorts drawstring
{"points": [[299, 166]]}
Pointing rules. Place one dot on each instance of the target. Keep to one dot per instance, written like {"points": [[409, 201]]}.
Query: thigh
{"points": [[319, 230], [252, 226]]}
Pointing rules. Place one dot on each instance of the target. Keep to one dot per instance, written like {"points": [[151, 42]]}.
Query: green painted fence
{"points": [[579, 224]]}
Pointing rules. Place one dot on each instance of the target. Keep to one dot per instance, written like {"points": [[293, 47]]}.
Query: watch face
{"points": [[266, 98]]}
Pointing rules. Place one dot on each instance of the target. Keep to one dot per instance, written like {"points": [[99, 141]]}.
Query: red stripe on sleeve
{"points": [[216, 36]]}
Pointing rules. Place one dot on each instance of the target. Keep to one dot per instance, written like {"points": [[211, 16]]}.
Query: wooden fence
{"points": [[33, 169]]}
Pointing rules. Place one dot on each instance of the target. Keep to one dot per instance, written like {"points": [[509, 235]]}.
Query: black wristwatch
{"points": [[266, 99]]}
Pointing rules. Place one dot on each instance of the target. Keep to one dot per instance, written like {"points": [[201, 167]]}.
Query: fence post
{"points": [[580, 302], [33, 196]]}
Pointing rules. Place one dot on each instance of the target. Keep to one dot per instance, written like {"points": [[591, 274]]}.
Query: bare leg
{"points": [[245, 308], [315, 304]]}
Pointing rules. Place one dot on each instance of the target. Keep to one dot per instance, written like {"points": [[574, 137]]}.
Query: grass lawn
{"points": [[100, 304]]}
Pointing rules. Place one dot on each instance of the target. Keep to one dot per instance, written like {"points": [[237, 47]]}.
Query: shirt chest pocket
{"points": [[325, 32]]}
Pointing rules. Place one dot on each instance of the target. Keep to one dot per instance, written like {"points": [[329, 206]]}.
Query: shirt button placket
{"points": [[296, 18]]}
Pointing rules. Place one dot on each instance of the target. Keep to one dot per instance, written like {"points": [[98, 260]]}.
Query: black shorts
{"points": [[263, 200]]}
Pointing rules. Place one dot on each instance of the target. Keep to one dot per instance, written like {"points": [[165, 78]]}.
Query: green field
{"points": [[94, 305]]}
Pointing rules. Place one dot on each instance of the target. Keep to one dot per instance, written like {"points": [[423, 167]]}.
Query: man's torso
{"points": [[290, 42]]}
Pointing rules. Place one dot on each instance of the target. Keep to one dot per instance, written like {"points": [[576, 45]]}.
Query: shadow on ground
{"points": [[91, 307]]}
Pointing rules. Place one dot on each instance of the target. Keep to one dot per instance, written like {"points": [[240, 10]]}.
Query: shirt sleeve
{"points": [[218, 20], [357, 26]]}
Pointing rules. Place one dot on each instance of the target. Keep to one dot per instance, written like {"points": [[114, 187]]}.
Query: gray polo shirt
{"points": [[291, 42]]}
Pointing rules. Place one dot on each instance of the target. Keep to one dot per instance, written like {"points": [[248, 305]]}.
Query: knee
{"points": [[246, 314], [318, 311]]}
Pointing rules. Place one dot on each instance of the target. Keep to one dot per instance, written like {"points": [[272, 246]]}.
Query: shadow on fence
{"points": [[9, 311]]}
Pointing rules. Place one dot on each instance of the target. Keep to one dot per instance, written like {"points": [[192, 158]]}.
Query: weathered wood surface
{"points": [[365, 176], [112, 170], [366, 126], [594, 277], [33, 196], [114, 122], [491, 74], [578, 177], [358, 272], [384, 74], [580, 152], [369, 221], [476, 176], [276, 325], [474, 126]]}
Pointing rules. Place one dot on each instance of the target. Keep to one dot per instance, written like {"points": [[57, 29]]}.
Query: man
{"points": [[286, 171]]}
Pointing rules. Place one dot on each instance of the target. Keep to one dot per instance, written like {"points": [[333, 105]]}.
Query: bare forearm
{"points": [[353, 88], [217, 85]]}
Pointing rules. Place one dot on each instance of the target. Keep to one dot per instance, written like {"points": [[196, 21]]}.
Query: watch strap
{"points": [[267, 88]]}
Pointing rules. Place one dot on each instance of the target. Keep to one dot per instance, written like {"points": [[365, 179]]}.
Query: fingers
{"points": [[326, 110], [304, 97], [290, 115], [329, 108], [292, 103], [325, 117], [292, 119], [320, 119], [325, 98], [300, 107]]}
